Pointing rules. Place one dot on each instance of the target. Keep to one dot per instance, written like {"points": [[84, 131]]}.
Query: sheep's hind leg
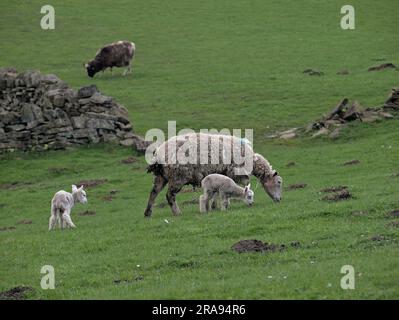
{"points": [[52, 222], [67, 219], [171, 197], [159, 184], [224, 202]]}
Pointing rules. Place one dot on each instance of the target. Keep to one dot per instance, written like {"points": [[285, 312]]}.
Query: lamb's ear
{"points": [[246, 189], [74, 188], [81, 188], [249, 186], [275, 173]]}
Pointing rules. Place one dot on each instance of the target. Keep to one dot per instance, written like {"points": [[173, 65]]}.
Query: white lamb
{"points": [[62, 204], [217, 184]]}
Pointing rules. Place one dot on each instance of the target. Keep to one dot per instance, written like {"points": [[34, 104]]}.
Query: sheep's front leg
{"points": [[203, 199], [213, 201], [171, 197], [159, 184]]}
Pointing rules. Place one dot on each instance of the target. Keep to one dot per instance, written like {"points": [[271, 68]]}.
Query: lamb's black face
{"points": [[90, 71]]}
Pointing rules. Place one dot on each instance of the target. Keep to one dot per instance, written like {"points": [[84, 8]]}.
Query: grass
{"points": [[210, 65]]}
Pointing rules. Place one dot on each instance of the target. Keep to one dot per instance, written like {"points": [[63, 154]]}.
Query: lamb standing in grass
{"points": [[62, 204], [226, 188]]}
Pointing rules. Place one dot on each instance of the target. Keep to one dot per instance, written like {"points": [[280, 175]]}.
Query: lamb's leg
{"points": [[213, 202], [67, 219], [173, 189], [224, 202], [159, 184], [208, 198], [53, 218], [202, 203], [52, 222]]}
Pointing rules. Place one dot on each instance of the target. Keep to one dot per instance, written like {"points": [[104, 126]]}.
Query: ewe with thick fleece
{"points": [[62, 204], [177, 173], [226, 188]]}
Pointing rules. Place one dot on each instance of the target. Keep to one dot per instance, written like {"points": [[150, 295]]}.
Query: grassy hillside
{"points": [[210, 64]]}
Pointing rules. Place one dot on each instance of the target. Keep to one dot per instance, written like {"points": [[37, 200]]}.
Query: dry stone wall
{"points": [[39, 112]]}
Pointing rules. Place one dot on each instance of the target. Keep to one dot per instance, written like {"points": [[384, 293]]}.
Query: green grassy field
{"points": [[210, 64]]}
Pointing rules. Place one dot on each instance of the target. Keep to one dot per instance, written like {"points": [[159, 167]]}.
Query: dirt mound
{"points": [[291, 164], [312, 72], [87, 213], [17, 293], [14, 185], [7, 228], [341, 115], [91, 183], [296, 186], [108, 198], [129, 160], [394, 213], [24, 221], [338, 196], [382, 67], [256, 246], [58, 170], [127, 281], [334, 189], [393, 224], [377, 237], [351, 162], [343, 72]]}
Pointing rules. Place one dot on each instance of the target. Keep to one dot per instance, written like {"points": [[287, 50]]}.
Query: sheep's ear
{"points": [[74, 188]]}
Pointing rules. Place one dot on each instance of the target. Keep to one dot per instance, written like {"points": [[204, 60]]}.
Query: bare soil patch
{"points": [[338, 196], [7, 228], [17, 293], [313, 72], [108, 198], [127, 281], [291, 164], [382, 66], [377, 237], [58, 170], [129, 160], [394, 213], [24, 221], [91, 183], [256, 246], [14, 185], [393, 224], [351, 162]]}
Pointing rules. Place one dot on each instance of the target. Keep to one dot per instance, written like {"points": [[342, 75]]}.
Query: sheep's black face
{"points": [[91, 71]]}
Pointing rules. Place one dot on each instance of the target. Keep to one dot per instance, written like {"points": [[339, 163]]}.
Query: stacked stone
{"points": [[393, 100], [39, 112]]}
